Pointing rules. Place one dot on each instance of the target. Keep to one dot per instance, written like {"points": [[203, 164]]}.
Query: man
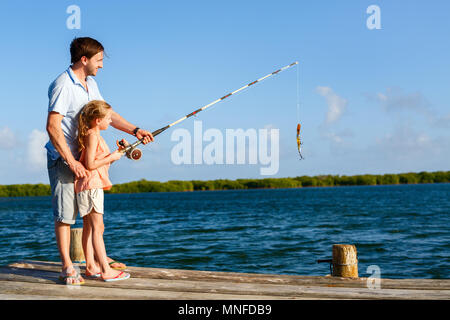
{"points": [[67, 95]]}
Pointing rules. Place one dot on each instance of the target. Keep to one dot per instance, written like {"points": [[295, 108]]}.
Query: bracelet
{"points": [[136, 130]]}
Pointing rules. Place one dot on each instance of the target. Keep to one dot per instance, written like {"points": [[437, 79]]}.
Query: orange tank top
{"points": [[97, 178]]}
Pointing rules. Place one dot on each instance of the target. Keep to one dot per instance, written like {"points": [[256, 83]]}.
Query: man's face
{"points": [[94, 63]]}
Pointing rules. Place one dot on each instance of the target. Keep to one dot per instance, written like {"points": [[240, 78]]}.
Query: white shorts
{"points": [[90, 199]]}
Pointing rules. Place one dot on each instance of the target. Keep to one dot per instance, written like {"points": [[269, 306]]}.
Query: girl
{"points": [[96, 157]]}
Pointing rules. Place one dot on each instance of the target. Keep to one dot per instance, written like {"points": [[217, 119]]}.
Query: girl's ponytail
{"points": [[82, 129]]}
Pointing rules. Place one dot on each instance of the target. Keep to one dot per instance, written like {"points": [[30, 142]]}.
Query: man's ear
{"points": [[84, 60]]}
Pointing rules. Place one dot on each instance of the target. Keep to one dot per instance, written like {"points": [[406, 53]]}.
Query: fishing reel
{"points": [[130, 150]]}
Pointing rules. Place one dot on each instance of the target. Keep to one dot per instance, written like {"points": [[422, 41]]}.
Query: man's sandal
{"points": [[63, 280]]}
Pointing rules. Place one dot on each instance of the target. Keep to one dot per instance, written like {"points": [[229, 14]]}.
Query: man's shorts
{"points": [[64, 202], [90, 199]]}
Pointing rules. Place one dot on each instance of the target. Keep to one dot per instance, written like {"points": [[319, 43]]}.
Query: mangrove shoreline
{"points": [[24, 190]]}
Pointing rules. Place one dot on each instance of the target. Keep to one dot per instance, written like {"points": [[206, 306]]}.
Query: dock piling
{"points": [[345, 261], [76, 247]]}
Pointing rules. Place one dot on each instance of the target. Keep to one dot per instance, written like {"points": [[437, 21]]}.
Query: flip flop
{"points": [[112, 262], [63, 280], [92, 276], [118, 278]]}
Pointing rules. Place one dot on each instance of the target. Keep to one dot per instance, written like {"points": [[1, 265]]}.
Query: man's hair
{"points": [[86, 46]]}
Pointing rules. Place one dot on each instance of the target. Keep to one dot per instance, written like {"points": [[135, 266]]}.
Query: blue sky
{"points": [[371, 101]]}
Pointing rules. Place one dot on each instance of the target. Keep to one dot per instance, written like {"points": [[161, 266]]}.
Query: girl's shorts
{"points": [[90, 199]]}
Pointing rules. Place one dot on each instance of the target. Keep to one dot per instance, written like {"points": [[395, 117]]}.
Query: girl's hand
{"points": [[116, 155]]}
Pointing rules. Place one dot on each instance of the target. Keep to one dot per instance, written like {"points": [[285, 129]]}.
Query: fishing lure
{"points": [[299, 142]]}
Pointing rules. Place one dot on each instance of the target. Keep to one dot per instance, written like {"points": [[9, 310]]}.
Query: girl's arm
{"points": [[92, 142]]}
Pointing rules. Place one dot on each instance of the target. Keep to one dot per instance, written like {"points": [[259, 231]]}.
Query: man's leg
{"points": [[65, 211], [62, 234]]}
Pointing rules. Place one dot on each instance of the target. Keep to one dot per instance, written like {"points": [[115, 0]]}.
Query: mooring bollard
{"points": [[76, 247], [345, 261]]}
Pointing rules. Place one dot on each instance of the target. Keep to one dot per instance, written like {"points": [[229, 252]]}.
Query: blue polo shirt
{"points": [[67, 96]]}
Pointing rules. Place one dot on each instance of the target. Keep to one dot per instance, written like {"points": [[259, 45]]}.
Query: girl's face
{"points": [[103, 124]]}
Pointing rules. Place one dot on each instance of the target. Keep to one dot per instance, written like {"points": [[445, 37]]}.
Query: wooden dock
{"points": [[39, 280]]}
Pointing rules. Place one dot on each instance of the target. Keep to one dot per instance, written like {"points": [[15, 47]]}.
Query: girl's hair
{"points": [[95, 109]]}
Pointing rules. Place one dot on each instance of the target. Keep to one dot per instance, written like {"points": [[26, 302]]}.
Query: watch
{"points": [[136, 130]]}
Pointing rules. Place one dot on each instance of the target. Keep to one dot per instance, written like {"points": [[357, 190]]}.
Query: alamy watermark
{"points": [[374, 281], [74, 20], [191, 150], [374, 20]]}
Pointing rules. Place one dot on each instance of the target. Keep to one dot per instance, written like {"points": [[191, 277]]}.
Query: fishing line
{"points": [[298, 95]]}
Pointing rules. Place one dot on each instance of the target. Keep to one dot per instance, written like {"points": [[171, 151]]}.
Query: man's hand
{"points": [[148, 137], [78, 169]]}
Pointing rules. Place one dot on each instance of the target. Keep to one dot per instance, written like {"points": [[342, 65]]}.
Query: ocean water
{"points": [[402, 229]]}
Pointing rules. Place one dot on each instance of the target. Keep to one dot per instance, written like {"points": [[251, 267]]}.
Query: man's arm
{"points": [[120, 123], [59, 142]]}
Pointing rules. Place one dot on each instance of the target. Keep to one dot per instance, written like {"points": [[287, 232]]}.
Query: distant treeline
{"points": [[22, 190]]}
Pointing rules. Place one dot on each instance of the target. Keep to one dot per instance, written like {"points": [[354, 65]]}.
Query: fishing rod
{"points": [[135, 154]]}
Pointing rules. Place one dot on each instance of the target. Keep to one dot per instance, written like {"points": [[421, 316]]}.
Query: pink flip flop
{"points": [[118, 278], [93, 276]]}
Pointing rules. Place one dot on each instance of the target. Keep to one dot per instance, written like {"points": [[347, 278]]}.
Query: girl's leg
{"points": [[92, 266], [96, 221]]}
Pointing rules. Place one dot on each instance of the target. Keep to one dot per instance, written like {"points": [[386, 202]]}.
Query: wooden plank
{"points": [[277, 291], [161, 273], [12, 288], [174, 274], [255, 290], [191, 290], [326, 281], [35, 297]]}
